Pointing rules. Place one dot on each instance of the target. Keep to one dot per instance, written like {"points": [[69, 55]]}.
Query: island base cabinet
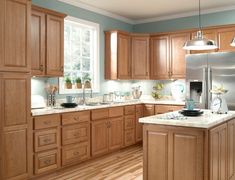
{"points": [[174, 153]]}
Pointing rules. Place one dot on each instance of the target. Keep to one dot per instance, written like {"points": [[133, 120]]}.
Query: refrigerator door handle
{"points": [[205, 87], [209, 82]]}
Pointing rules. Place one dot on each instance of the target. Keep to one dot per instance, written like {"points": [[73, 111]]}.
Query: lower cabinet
{"points": [[164, 157], [139, 126], [75, 153], [231, 150], [46, 161], [161, 109], [107, 135]]}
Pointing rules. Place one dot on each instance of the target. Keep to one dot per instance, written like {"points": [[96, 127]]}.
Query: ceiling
{"points": [[137, 10]]}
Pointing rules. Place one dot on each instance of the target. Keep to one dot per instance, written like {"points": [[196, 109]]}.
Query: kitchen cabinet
{"points": [[15, 132], [47, 143], [148, 110], [140, 56], [161, 109], [14, 35], [231, 150], [209, 34], [159, 61], [225, 36], [177, 55], [218, 152], [138, 126], [47, 39], [129, 125], [107, 133], [164, 157], [168, 56]]}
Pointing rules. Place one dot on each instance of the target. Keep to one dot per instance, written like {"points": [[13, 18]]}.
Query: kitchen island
{"points": [[192, 148]]}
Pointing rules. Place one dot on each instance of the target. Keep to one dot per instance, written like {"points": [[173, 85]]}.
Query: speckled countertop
{"points": [[46, 111], [207, 120]]}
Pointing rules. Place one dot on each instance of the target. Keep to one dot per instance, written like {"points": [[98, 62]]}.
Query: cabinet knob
{"points": [[76, 118], [46, 140], [47, 162], [41, 67], [75, 153]]}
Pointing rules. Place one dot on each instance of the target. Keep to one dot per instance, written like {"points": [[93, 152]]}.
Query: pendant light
{"points": [[233, 42], [200, 43]]}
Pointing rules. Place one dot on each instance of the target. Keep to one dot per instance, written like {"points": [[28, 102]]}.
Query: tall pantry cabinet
{"points": [[15, 89]]}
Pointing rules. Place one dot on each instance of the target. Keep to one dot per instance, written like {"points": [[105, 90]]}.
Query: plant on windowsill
{"points": [[78, 83], [87, 82], [68, 83]]}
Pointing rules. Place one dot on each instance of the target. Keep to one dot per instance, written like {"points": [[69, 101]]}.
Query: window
{"points": [[81, 54]]}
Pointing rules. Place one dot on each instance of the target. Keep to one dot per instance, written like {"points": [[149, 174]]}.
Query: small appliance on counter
{"points": [[37, 102], [136, 93], [69, 102], [190, 111]]}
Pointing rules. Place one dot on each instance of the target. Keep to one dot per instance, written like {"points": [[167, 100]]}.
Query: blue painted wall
{"points": [[219, 18]]}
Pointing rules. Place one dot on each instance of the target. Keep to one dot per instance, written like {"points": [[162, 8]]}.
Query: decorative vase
{"points": [[78, 85], [87, 84]]}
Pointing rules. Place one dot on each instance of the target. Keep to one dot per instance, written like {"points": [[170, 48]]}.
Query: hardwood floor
{"points": [[126, 164]]}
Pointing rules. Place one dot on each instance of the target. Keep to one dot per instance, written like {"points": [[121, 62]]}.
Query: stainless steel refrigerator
{"points": [[205, 71]]}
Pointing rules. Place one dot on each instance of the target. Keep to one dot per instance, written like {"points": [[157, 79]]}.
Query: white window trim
{"points": [[96, 66]]}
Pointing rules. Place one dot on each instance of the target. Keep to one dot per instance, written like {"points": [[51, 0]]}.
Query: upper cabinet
{"points": [[14, 35], [168, 56], [225, 36], [177, 55], [47, 38], [126, 55], [140, 56]]}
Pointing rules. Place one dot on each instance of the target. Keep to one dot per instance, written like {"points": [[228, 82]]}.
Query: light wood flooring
{"points": [[126, 164]]}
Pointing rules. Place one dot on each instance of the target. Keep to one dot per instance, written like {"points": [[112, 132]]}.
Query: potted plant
{"points": [[68, 83], [78, 83], [87, 81]]}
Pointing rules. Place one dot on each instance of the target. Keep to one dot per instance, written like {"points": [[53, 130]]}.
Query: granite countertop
{"points": [[207, 120], [49, 110]]}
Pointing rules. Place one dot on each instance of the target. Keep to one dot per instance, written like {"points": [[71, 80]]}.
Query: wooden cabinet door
{"points": [[231, 150], [139, 127], [225, 36], [14, 128], [55, 46], [15, 35], [177, 55], [156, 154], [115, 133], [161, 109], [218, 152], [124, 56], [140, 57], [209, 34], [159, 61], [187, 161], [100, 138], [38, 42]]}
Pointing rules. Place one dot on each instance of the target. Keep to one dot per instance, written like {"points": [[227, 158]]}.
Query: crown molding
{"points": [[181, 15], [79, 4], [82, 5]]}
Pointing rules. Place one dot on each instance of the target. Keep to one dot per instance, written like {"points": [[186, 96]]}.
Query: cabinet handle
{"points": [[75, 153], [47, 162], [47, 122], [76, 118], [41, 67], [76, 134], [46, 140]]}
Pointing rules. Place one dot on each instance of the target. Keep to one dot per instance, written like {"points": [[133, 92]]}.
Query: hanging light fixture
{"points": [[233, 42], [200, 43]]}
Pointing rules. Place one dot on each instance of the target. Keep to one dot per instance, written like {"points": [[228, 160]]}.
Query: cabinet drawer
{"points": [[77, 117], [46, 161], [48, 121], [46, 139], [75, 153], [148, 110], [139, 110], [75, 133], [129, 122], [129, 110], [99, 114], [115, 111], [129, 137]]}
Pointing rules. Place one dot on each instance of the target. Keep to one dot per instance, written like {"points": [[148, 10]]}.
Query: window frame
{"points": [[96, 63]]}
